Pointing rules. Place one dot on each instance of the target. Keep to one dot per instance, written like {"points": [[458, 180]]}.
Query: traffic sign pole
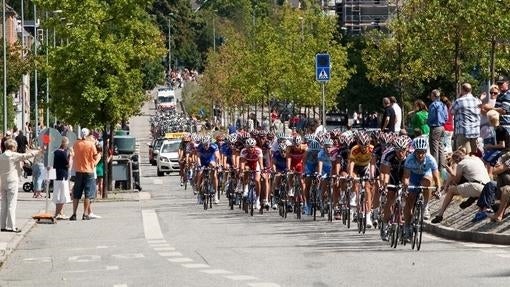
{"points": [[323, 105], [322, 75]]}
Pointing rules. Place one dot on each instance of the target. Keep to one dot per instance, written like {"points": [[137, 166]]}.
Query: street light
{"points": [[169, 45], [5, 66]]}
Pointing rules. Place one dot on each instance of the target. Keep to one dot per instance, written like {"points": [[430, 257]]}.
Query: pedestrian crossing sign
{"points": [[322, 67]]}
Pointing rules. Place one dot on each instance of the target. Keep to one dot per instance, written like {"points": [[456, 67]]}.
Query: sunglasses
{"points": [[494, 93]]}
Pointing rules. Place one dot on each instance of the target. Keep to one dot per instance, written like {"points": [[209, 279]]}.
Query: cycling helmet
{"points": [[420, 143], [251, 142], [297, 140], [254, 133], [346, 138], [335, 133], [280, 135], [270, 135], [206, 140], [385, 138], [232, 138], [362, 138], [327, 142], [244, 135], [309, 138], [282, 146], [195, 137], [314, 145], [401, 142]]}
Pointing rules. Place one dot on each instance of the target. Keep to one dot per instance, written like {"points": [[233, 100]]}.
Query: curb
{"points": [[469, 236]]}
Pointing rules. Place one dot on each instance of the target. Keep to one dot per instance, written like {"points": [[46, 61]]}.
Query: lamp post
{"points": [[22, 91], [36, 90], [169, 44], [5, 66]]}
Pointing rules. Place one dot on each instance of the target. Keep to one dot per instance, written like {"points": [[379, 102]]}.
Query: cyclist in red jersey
{"points": [[295, 156], [251, 158]]}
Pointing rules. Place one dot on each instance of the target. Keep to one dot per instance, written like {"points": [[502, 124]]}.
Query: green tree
{"points": [[97, 77], [437, 41]]}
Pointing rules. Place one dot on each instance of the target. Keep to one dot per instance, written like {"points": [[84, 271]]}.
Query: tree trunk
{"points": [[457, 66]]}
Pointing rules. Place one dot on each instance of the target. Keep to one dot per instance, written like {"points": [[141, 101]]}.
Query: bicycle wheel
{"points": [[314, 203], [414, 225], [420, 231], [349, 217], [251, 199], [364, 223], [330, 204], [392, 234]]}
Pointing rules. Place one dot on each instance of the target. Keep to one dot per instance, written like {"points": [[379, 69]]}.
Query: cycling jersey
{"points": [[361, 158], [207, 155], [252, 157], [186, 147], [279, 161], [311, 161], [390, 159], [226, 150], [342, 157], [419, 170], [327, 161], [296, 156]]}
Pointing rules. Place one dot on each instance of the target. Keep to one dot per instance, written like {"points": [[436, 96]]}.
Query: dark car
{"points": [[337, 119], [154, 150]]}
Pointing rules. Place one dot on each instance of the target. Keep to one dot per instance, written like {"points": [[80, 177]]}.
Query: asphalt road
{"points": [[169, 240]]}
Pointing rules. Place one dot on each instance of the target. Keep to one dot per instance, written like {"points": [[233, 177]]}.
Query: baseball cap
{"points": [[85, 132], [501, 79]]}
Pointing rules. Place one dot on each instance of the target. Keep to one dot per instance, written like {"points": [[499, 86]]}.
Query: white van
{"points": [[166, 99]]}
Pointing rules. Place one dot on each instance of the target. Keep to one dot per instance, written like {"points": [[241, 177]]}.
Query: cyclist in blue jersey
{"points": [[420, 169], [311, 161], [279, 161], [227, 152], [208, 155]]}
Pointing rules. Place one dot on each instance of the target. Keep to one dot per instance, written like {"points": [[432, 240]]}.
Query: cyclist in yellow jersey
{"points": [[360, 160]]}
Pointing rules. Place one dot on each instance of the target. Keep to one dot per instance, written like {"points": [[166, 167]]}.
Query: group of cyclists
{"points": [[377, 163]]}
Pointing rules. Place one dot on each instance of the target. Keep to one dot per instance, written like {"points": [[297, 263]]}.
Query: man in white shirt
{"points": [[398, 114]]}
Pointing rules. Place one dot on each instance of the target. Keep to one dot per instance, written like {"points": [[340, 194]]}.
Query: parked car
{"points": [[154, 150], [167, 159]]}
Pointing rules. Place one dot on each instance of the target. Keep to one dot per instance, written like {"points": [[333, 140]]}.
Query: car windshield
{"points": [[170, 147], [158, 144], [166, 99]]}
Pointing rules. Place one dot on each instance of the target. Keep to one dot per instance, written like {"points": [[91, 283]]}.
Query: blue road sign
{"points": [[322, 67]]}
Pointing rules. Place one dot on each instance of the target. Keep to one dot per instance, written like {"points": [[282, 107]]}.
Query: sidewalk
{"points": [[457, 225], [28, 206]]}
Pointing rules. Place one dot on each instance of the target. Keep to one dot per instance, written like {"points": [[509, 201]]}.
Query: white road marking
{"points": [[158, 181], [84, 258], [164, 249], [492, 251], [37, 259], [240, 277], [195, 265], [160, 245], [113, 267], [504, 255], [180, 259], [156, 241], [128, 256], [101, 247], [263, 285], [478, 245], [216, 271], [120, 285], [151, 224], [107, 268], [170, 254]]}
